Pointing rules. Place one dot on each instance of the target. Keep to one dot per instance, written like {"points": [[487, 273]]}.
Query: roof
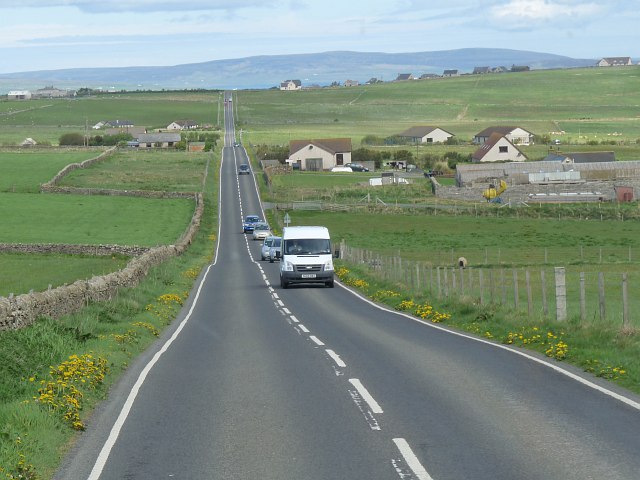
{"points": [[332, 145], [489, 144], [305, 232], [158, 137], [404, 76], [477, 70], [119, 123], [503, 130], [617, 60], [186, 123], [420, 131], [583, 157], [450, 72]]}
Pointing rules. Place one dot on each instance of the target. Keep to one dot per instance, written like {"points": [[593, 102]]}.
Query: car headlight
{"points": [[287, 267]]}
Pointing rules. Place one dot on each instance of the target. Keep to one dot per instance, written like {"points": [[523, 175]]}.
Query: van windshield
{"points": [[307, 246]]}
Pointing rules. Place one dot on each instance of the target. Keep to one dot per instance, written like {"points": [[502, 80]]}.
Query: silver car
{"points": [[266, 247], [261, 231], [276, 250]]}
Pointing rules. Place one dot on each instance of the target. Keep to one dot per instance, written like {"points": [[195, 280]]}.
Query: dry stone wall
{"points": [[22, 310]]}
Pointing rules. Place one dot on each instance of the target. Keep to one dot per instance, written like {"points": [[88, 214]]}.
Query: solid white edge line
{"points": [[573, 376], [316, 340], [364, 393], [303, 328], [336, 358], [103, 456], [411, 459]]}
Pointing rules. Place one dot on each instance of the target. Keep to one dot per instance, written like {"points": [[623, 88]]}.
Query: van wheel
{"points": [[283, 284], [270, 259], [330, 284]]}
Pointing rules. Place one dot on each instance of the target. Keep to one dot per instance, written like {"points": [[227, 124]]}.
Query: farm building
{"points": [[515, 135], [402, 77], [321, 154], [450, 73], [581, 157], [53, 92], [521, 173], [498, 148], [426, 134], [158, 140], [19, 95]]}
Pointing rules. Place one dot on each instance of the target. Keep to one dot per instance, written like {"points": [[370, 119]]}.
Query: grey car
{"points": [[266, 247]]}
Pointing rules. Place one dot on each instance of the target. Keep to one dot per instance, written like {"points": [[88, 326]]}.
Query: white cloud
{"points": [[542, 10]]}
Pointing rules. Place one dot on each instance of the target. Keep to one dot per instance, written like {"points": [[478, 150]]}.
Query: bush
{"points": [[71, 139]]}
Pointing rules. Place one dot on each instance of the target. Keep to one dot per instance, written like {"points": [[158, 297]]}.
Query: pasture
{"points": [[542, 101]]}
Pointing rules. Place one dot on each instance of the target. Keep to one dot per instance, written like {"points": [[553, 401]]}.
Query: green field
{"points": [[24, 170], [542, 101], [46, 120], [82, 219], [21, 273], [133, 169]]}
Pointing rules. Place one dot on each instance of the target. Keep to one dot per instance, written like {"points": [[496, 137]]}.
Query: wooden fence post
{"points": [[545, 306], [583, 299], [603, 313], [446, 283], [625, 303], [561, 294], [461, 281], [504, 287], [439, 284], [481, 281], [529, 298], [516, 295]]}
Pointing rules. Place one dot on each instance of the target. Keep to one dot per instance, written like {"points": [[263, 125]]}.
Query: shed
{"points": [[623, 193]]}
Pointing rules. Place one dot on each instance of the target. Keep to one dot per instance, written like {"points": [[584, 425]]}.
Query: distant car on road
{"points": [[236, 144], [244, 169], [356, 167], [267, 245], [261, 231], [276, 250], [249, 223]]}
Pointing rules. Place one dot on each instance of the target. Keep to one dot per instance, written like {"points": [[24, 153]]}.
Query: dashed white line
{"points": [[364, 393], [411, 459], [336, 358], [281, 303], [303, 328], [275, 295], [316, 340], [293, 317], [286, 310]]}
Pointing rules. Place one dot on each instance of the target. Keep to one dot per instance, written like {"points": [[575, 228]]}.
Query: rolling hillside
{"points": [[269, 71]]}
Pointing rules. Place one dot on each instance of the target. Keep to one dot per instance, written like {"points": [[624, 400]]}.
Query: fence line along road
{"points": [[602, 297]]}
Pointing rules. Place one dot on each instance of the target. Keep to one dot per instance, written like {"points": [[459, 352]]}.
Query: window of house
{"points": [[504, 149], [339, 159]]}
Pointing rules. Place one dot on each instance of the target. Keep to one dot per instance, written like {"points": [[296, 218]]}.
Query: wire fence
{"points": [[583, 292]]}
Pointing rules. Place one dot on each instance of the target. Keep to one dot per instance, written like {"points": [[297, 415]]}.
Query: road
{"points": [[256, 382]]}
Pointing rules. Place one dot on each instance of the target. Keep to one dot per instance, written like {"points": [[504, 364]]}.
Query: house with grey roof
{"points": [[403, 77], [450, 73], [158, 140], [426, 134], [614, 62], [183, 125], [581, 157], [516, 135], [320, 154], [291, 85]]}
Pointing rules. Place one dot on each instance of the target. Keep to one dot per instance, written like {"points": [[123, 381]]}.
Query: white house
{"points": [[158, 140], [291, 85], [426, 134], [321, 154], [183, 125], [515, 135], [498, 148], [19, 95], [614, 62]]}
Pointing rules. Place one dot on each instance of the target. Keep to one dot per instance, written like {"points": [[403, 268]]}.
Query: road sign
{"points": [[287, 219]]}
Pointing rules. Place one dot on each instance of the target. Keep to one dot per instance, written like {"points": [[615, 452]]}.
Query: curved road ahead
{"points": [[253, 382]]}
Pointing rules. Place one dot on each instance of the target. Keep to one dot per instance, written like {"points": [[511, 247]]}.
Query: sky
{"points": [[57, 34]]}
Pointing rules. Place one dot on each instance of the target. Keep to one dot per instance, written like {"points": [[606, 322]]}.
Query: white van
{"points": [[306, 256]]}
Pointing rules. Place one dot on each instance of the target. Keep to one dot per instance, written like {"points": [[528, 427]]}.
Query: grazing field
{"points": [[47, 119], [93, 220], [24, 170], [544, 102], [133, 169], [21, 273]]}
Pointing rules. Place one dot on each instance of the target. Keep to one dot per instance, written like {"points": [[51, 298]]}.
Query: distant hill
{"points": [[268, 71]]}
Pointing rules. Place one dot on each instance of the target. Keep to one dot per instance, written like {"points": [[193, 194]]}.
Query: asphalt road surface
{"points": [[253, 382]]}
